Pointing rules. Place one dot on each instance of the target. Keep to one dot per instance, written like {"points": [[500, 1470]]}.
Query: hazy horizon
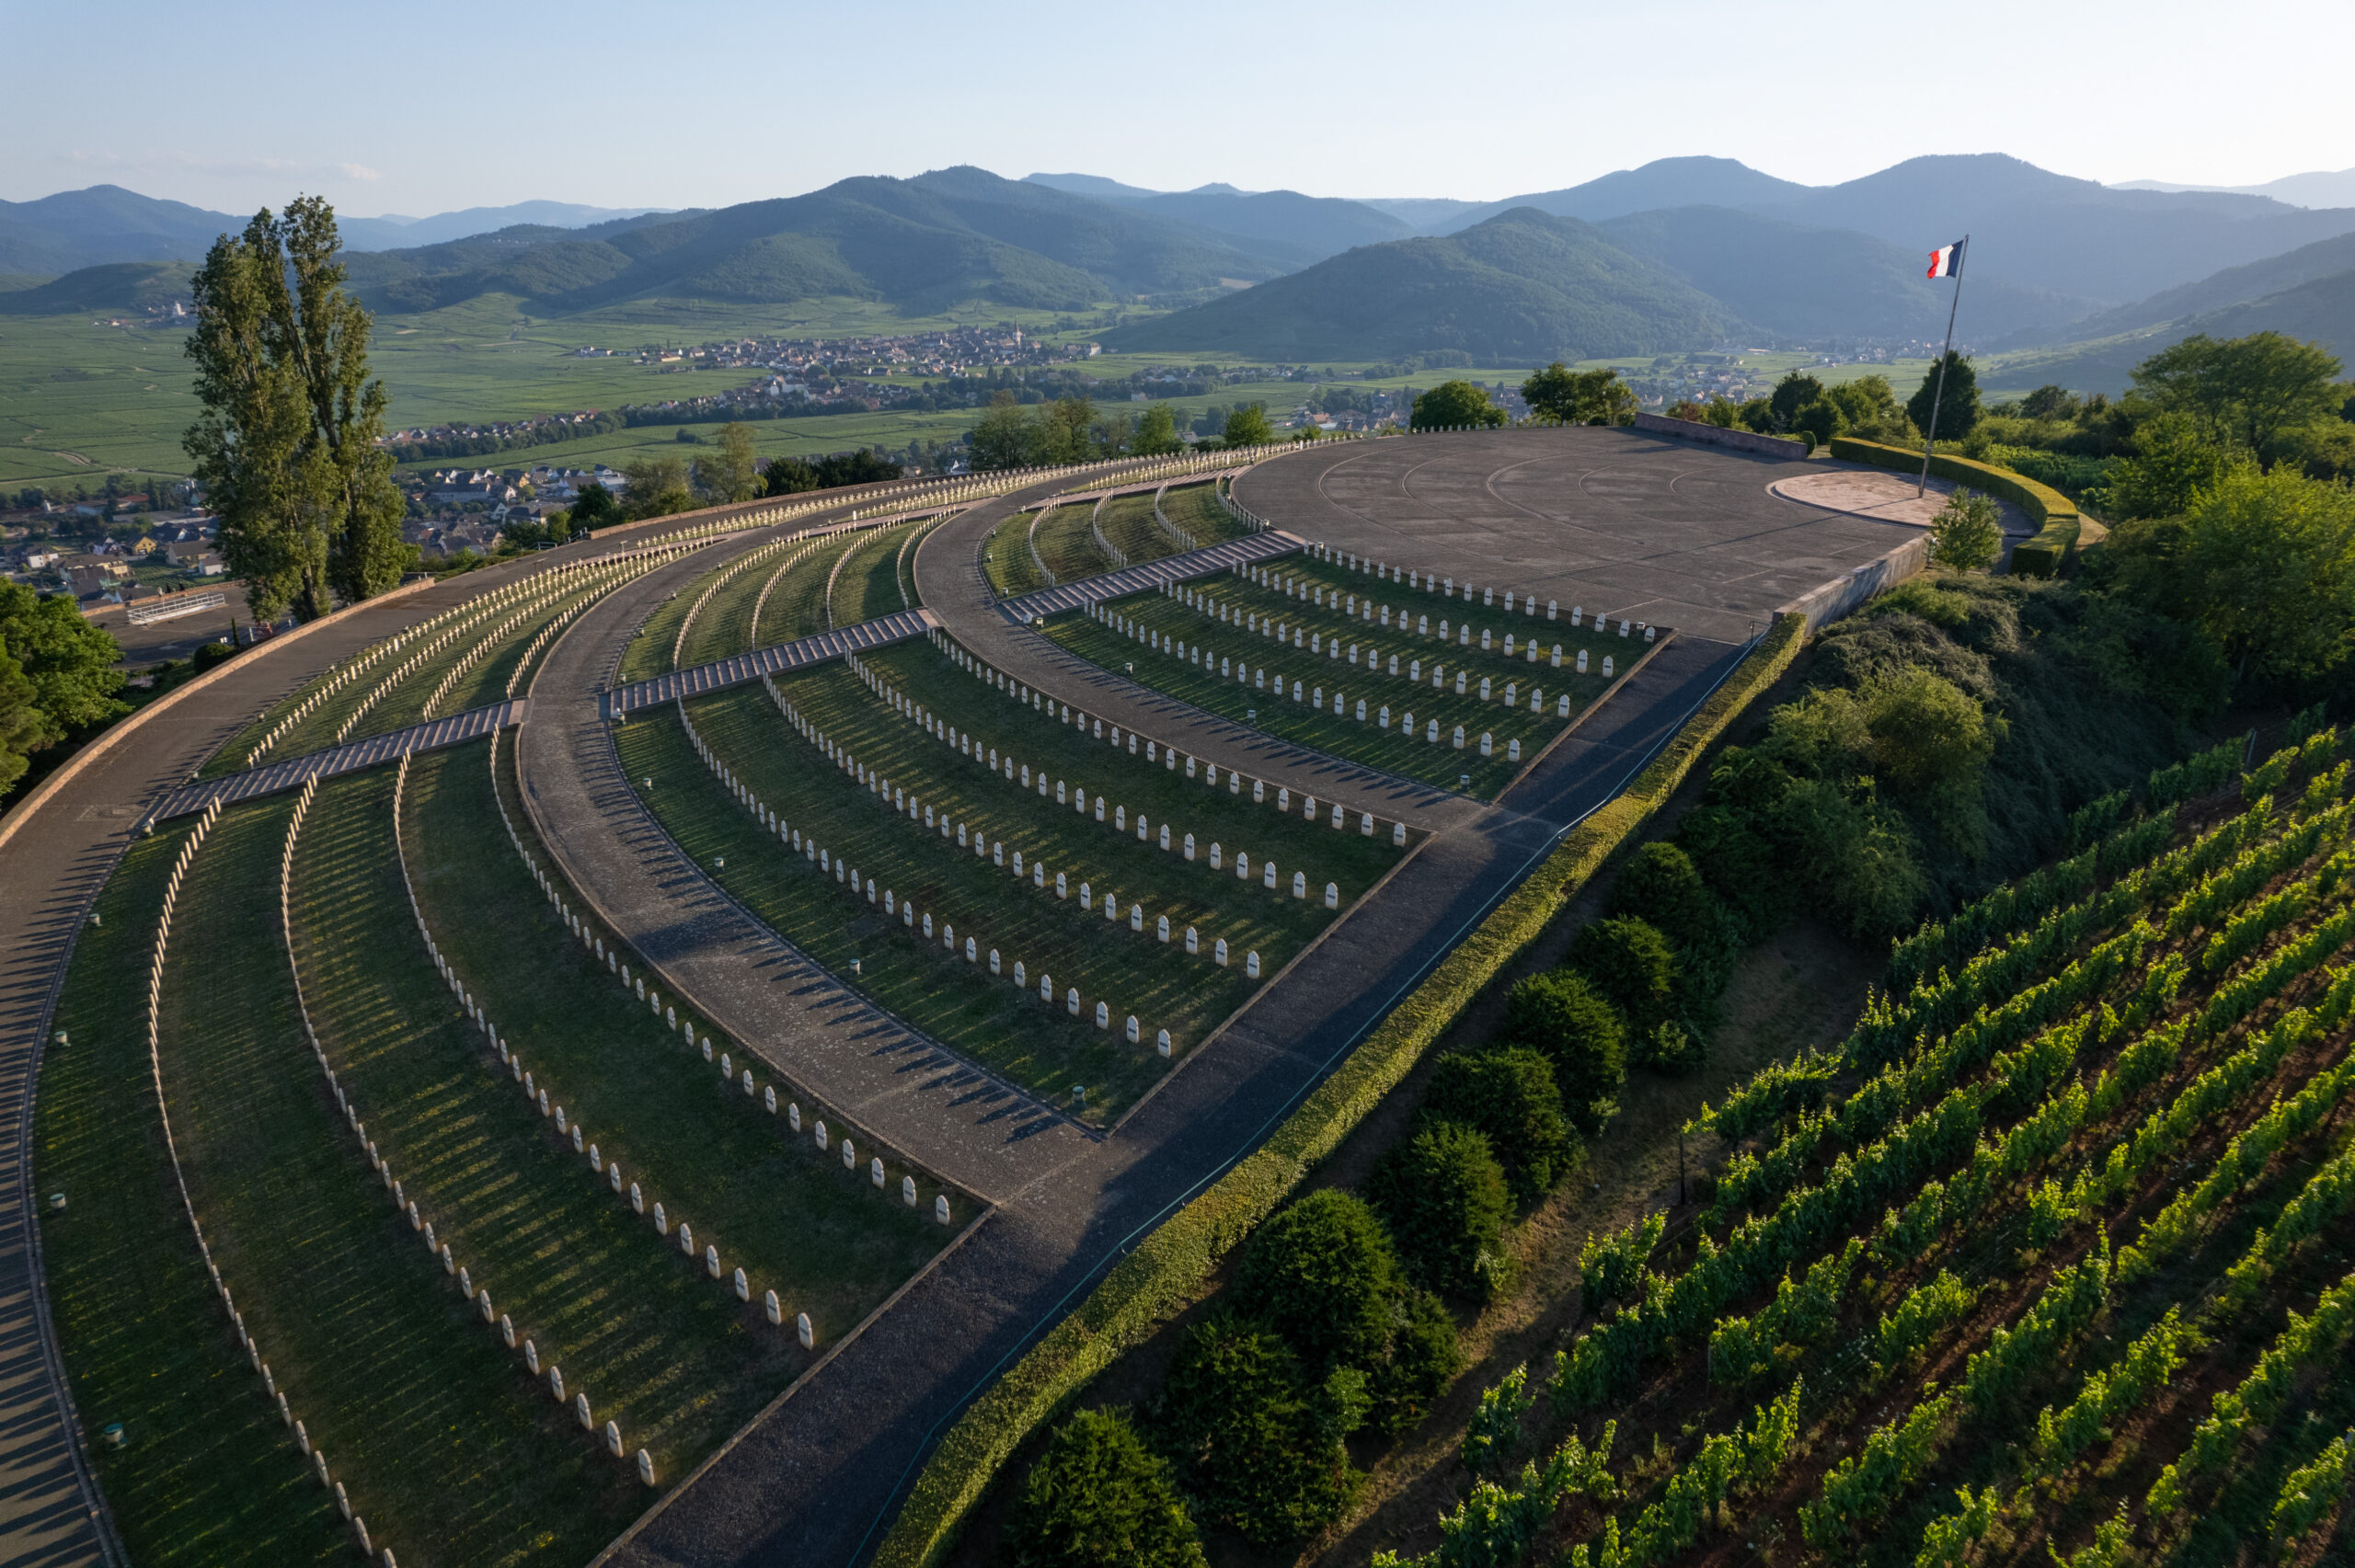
{"points": [[2107, 93]]}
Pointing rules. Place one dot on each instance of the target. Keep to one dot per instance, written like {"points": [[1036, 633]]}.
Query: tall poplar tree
{"points": [[287, 444]]}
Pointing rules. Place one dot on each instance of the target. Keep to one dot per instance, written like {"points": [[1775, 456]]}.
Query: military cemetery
{"points": [[962, 871]]}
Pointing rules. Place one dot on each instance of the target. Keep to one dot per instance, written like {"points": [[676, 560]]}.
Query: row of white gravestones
{"points": [[246, 1340], [726, 1059], [1168, 756], [900, 802], [971, 950], [435, 1245]]}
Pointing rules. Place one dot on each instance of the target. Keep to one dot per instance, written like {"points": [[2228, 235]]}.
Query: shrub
{"points": [[1098, 1495], [1423, 1356], [1968, 532], [1510, 1095], [1561, 1015], [1674, 1051], [1442, 1194], [1261, 1450], [1632, 965], [1663, 885], [1322, 1273]]}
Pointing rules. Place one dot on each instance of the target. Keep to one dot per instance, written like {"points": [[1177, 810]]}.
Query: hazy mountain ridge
{"points": [[2318, 309], [103, 224], [921, 244], [1525, 285]]}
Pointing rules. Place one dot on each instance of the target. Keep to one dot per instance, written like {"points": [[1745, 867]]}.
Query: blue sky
{"points": [[426, 106]]}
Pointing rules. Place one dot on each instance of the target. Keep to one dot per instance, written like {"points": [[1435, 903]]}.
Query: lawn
{"points": [[1197, 509], [442, 1442], [1128, 525], [868, 584], [207, 1473], [1043, 1048], [1067, 543], [1424, 684], [774, 593], [791, 1217], [494, 640], [1007, 560]]}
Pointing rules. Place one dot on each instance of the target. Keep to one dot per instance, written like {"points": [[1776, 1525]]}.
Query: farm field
{"points": [[79, 398], [2050, 1252], [1337, 625], [1098, 936]]}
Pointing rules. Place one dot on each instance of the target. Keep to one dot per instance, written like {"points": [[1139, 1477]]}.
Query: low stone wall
{"points": [[1870, 581], [1718, 435]]}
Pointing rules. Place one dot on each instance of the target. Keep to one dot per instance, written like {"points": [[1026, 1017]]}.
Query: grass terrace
{"points": [[794, 1219], [206, 1471], [1006, 558], [389, 688], [444, 1443], [874, 580], [1066, 541], [1380, 651], [1127, 524], [1196, 508], [1036, 1044]]}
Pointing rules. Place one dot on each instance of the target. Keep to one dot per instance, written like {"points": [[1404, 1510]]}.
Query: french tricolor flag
{"points": [[1947, 261]]}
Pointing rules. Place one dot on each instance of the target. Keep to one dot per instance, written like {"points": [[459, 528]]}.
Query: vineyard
{"points": [[2047, 1261]]}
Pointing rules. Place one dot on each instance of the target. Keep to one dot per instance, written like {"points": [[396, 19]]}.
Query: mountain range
{"points": [[107, 223], [1682, 253]]}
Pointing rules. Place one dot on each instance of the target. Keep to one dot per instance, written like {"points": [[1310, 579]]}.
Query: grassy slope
{"points": [[1005, 559], [868, 584], [1067, 546], [413, 1400], [1129, 526], [484, 681], [795, 1220], [1196, 508], [957, 1003], [1344, 735], [209, 1474]]}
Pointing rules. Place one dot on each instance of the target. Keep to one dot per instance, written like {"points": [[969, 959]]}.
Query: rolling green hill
{"points": [[2233, 286], [2318, 310], [1821, 283], [948, 235], [116, 285], [1523, 286]]}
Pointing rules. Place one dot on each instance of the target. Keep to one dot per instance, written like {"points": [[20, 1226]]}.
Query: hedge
{"points": [[2055, 514], [1165, 1273]]}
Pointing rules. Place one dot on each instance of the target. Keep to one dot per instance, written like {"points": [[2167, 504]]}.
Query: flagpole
{"points": [[1930, 437]]}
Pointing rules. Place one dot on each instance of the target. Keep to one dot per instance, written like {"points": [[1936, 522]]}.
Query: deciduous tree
{"points": [[1561, 396], [1968, 532], [1453, 404], [2246, 391], [1958, 407], [1247, 424], [287, 442], [729, 473]]}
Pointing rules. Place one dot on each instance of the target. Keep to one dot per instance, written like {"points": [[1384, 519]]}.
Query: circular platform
{"points": [[1638, 526]]}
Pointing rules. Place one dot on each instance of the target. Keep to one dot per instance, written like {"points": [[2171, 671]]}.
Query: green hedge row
{"points": [[2055, 514], [1168, 1271]]}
